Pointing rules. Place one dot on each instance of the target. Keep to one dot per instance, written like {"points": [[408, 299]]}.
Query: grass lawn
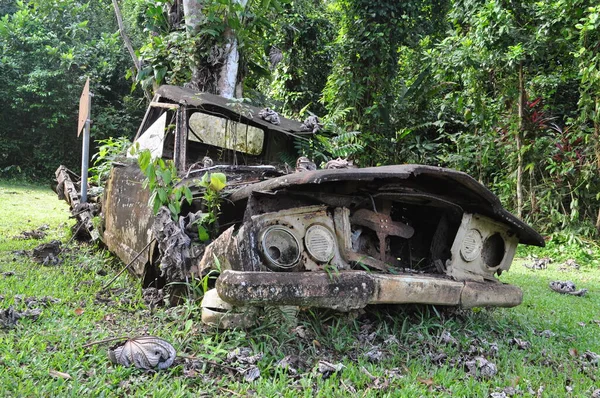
{"points": [[545, 347]]}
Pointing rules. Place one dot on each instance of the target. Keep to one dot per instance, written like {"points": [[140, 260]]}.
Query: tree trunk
{"points": [[227, 85], [519, 139], [597, 149], [228, 75], [192, 13], [219, 75]]}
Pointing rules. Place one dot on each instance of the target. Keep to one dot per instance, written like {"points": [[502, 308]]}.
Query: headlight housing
{"points": [[320, 243], [280, 247]]}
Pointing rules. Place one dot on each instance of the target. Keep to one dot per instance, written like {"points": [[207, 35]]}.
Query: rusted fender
{"points": [[347, 290]]}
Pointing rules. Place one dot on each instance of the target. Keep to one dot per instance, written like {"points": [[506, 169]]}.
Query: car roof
{"points": [[229, 108]]}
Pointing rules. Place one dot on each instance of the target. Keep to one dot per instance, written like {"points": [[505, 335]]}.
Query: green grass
{"points": [[417, 360]]}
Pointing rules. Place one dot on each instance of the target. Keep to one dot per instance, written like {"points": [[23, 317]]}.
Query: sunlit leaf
{"points": [[218, 181]]}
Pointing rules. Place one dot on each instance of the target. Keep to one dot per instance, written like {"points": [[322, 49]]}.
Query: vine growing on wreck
{"points": [[109, 151], [162, 180], [213, 184]]}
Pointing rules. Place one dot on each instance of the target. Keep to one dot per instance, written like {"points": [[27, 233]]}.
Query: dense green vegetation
{"points": [[544, 347], [506, 91]]}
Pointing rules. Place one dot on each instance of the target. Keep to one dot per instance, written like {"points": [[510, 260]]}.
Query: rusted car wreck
{"points": [[333, 238]]}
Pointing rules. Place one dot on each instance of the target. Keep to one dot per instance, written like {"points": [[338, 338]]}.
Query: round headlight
{"points": [[320, 243], [493, 250], [471, 245], [280, 247]]}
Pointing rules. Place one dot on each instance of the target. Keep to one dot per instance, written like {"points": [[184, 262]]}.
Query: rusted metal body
{"points": [[337, 238], [85, 212]]}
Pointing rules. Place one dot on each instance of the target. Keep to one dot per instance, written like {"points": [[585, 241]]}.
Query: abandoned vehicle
{"points": [[335, 238]]}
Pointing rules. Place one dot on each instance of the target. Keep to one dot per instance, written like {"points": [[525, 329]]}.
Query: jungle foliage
{"points": [[506, 91]]}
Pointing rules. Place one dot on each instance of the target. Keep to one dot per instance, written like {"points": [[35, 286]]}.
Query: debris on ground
{"points": [[391, 340], [327, 368], [375, 355], [59, 375], [47, 253], [290, 364], [153, 297], [377, 383], [447, 338], [144, 352], [547, 333], [539, 264], [8, 273], [19, 253], [10, 316], [34, 302], [567, 287], [244, 355], [591, 357], [507, 392], [479, 366], [251, 374], [38, 233], [520, 344], [569, 265]]}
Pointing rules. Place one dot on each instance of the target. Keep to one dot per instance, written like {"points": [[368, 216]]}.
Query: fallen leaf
{"points": [[521, 344], [328, 368], [316, 343], [252, 374], [59, 375], [244, 355], [427, 382], [79, 311], [480, 366], [374, 356], [573, 352]]}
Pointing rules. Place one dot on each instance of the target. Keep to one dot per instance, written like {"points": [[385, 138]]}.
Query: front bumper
{"points": [[347, 290]]}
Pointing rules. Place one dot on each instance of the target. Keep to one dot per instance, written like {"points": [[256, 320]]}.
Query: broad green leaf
{"points": [[205, 181], [217, 181], [166, 176], [203, 233], [156, 206], [162, 194], [188, 194], [159, 74], [174, 210]]}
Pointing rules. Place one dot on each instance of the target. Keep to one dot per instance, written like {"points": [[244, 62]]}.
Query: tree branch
{"points": [[124, 36]]}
